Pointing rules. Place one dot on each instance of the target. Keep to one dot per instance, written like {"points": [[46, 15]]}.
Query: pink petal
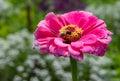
{"points": [[63, 20], [42, 23], [105, 40], [87, 49], [100, 49], [45, 39], [57, 50], [52, 48], [91, 22], [59, 42], [97, 49], [85, 14], [61, 51], [82, 21], [66, 54], [88, 39], [43, 50], [53, 22], [78, 57], [42, 32], [99, 32], [77, 18], [44, 46], [99, 24], [70, 17], [40, 42], [73, 51], [77, 44]]}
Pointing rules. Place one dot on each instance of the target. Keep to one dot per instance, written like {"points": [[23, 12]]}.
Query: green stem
{"points": [[74, 69]]}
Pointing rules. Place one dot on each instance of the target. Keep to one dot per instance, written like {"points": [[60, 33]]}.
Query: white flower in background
{"points": [[11, 47], [3, 5], [20, 68], [48, 78], [34, 79], [30, 61], [56, 65], [17, 78]]}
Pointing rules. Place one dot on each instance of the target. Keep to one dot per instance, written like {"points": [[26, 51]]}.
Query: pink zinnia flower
{"points": [[72, 34]]}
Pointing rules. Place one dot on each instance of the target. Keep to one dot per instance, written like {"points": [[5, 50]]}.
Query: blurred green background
{"points": [[19, 62]]}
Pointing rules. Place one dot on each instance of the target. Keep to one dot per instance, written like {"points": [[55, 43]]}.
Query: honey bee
{"points": [[66, 32]]}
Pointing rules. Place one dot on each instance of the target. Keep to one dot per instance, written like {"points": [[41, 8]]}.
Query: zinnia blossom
{"points": [[72, 34]]}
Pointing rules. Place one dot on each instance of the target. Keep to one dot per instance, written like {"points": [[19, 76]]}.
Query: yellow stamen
{"points": [[70, 33]]}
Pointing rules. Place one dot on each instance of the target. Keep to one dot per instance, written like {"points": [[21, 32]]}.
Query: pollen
{"points": [[70, 33]]}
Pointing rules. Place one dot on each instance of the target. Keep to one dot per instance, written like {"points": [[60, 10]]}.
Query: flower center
{"points": [[70, 33]]}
